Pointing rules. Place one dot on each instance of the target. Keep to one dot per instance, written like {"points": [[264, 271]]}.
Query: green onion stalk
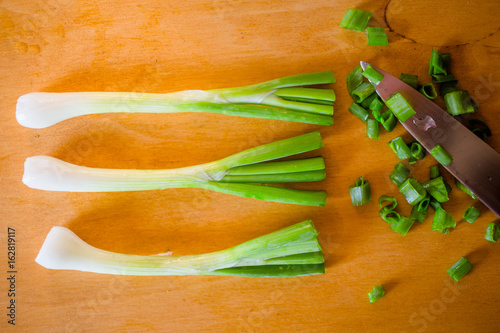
{"points": [[292, 251], [239, 174], [280, 99]]}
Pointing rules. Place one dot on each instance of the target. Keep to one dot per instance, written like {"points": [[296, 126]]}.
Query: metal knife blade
{"points": [[475, 164]]}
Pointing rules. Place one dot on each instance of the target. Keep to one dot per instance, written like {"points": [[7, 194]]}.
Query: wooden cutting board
{"points": [[64, 45]]}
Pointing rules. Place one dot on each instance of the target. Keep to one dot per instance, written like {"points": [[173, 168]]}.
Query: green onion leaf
{"points": [[372, 129], [361, 92], [459, 102], [441, 78], [465, 189], [371, 74], [492, 233], [471, 214], [359, 111], [448, 87], [377, 36], [355, 19], [367, 101], [354, 79], [400, 107], [360, 192], [436, 64], [428, 91], [387, 212], [442, 220], [376, 294], [459, 269], [434, 171], [413, 191], [376, 105], [420, 210], [411, 80], [400, 148], [441, 155], [399, 174], [417, 151], [402, 225], [388, 120], [437, 189]]}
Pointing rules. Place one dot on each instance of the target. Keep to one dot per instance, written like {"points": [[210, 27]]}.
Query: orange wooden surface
{"points": [[63, 45]]}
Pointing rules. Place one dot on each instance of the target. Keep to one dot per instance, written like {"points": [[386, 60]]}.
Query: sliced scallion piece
{"points": [[47, 173], [436, 64], [419, 211], [388, 120], [441, 78], [471, 214], [371, 74], [417, 152], [413, 191], [434, 171], [400, 107], [437, 189], [399, 174], [377, 36], [376, 105], [292, 251], [372, 129], [441, 155], [367, 101], [400, 148], [359, 111], [363, 91], [411, 80], [360, 192], [387, 212], [480, 128], [442, 220], [354, 79], [376, 294], [459, 102], [464, 188], [402, 225], [459, 269], [355, 19], [428, 91], [492, 232], [39, 110]]}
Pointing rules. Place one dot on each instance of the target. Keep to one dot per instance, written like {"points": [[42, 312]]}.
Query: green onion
{"points": [[480, 128], [428, 91], [266, 168], [376, 105], [471, 214], [441, 78], [400, 148], [399, 174], [376, 294], [402, 225], [376, 36], [420, 210], [47, 173], [359, 111], [372, 75], [39, 110], [392, 202], [400, 107], [411, 80], [355, 19], [372, 129], [388, 120], [291, 177], [441, 155], [361, 92], [459, 102], [413, 191], [448, 87], [434, 171], [442, 220], [354, 79], [367, 101], [445, 59], [387, 212], [492, 233], [436, 64], [360, 192], [417, 152], [465, 189], [292, 251], [459, 269], [437, 189], [308, 95]]}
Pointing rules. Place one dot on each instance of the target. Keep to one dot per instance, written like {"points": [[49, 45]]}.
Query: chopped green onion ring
{"points": [[372, 75], [400, 107], [377, 36], [400, 148], [441, 155], [459, 269], [411, 80], [492, 232], [355, 19], [360, 192], [471, 214], [428, 91], [413, 191], [399, 174], [359, 111], [376, 294], [372, 129], [362, 91]]}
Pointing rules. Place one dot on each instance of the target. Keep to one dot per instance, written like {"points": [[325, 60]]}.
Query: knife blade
{"points": [[475, 164]]}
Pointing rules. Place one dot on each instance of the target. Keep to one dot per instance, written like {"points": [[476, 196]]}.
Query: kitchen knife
{"points": [[475, 164]]}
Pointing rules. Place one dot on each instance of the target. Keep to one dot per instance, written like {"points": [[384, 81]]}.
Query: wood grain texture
{"points": [[64, 45]]}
